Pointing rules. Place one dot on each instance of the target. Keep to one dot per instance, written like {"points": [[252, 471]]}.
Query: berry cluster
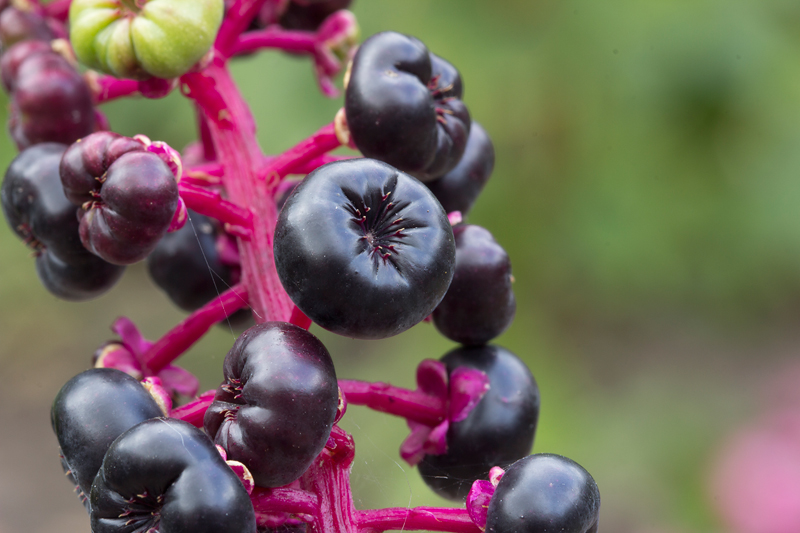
{"points": [[365, 247]]}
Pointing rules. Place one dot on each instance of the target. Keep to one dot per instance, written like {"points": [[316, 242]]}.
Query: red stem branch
{"points": [[322, 142], [285, 501], [212, 204], [194, 412], [411, 405], [192, 328], [429, 518], [57, 9], [106, 88], [276, 39], [237, 18]]}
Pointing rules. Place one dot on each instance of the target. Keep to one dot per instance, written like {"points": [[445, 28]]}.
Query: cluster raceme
{"points": [[365, 247]]}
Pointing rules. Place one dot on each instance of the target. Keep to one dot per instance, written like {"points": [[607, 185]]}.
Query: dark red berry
{"points": [[275, 410], [403, 106], [128, 196], [542, 493], [17, 25], [12, 58], [309, 14], [363, 249], [480, 303], [497, 432]]}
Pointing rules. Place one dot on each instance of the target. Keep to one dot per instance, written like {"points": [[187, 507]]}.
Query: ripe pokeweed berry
{"points": [[480, 303], [458, 189], [497, 432], [403, 106], [17, 25], [544, 492], [275, 410], [90, 411], [127, 195], [166, 475], [309, 14], [36, 209], [363, 249], [12, 58]]}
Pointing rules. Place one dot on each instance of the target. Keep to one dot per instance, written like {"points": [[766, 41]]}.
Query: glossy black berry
{"points": [[51, 102], [480, 303], [363, 249], [127, 195], [166, 475], [458, 189], [276, 408], [36, 209], [403, 106], [309, 14], [543, 493], [91, 410], [187, 265], [497, 432]]}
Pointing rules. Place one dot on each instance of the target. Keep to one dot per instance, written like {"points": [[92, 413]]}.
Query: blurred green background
{"points": [[646, 189]]}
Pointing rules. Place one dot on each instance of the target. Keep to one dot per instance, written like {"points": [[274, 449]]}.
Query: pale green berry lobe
{"points": [[161, 38]]}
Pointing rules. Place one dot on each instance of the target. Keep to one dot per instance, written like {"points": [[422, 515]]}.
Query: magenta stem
{"points": [[206, 175], [212, 204], [428, 518], [310, 166], [194, 411], [322, 142], [57, 9], [237, 18], [329, 478], [192, 328], [106, 88], [232, 129], [411, 405], [300, 319], [282, 500], [276, 39]]}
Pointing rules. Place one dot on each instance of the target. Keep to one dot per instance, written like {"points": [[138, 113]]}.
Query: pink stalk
{"points": [[212, 204], [282, 500], [275, 38], [429, 518], [58, 9], [300, 319], [232, 128], [206, 175], [322, 142], [411, 405], [329, 478], [310, 166], [192, 328], [194, 412], [237, 18], [106, 88], [209, 153]]}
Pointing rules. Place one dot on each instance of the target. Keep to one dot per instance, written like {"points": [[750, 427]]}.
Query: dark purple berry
{"points": [[17, 25], [166, 475], [363, 249], [51, 102], [309, 14], [543, 493], [275, 410], [91, 410], [458, 189], [128, 195], [37, 211], [480, 303], [497, 432], [187, 266], [12, 58], [403, 106]]}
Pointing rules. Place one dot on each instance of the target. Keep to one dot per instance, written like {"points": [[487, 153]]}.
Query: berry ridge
{"points": [[360, 247]]}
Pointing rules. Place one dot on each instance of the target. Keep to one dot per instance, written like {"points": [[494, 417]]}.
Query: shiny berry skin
{"points": [[37, 211], [91, 410], [458, 189], [128, 195], [51, 102], [480, 303], [363, 249], [543, 493], [403, 106], [309, 14], [12, 58], [17, 25], [166, 475], [497, 432], [276, 408]]}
